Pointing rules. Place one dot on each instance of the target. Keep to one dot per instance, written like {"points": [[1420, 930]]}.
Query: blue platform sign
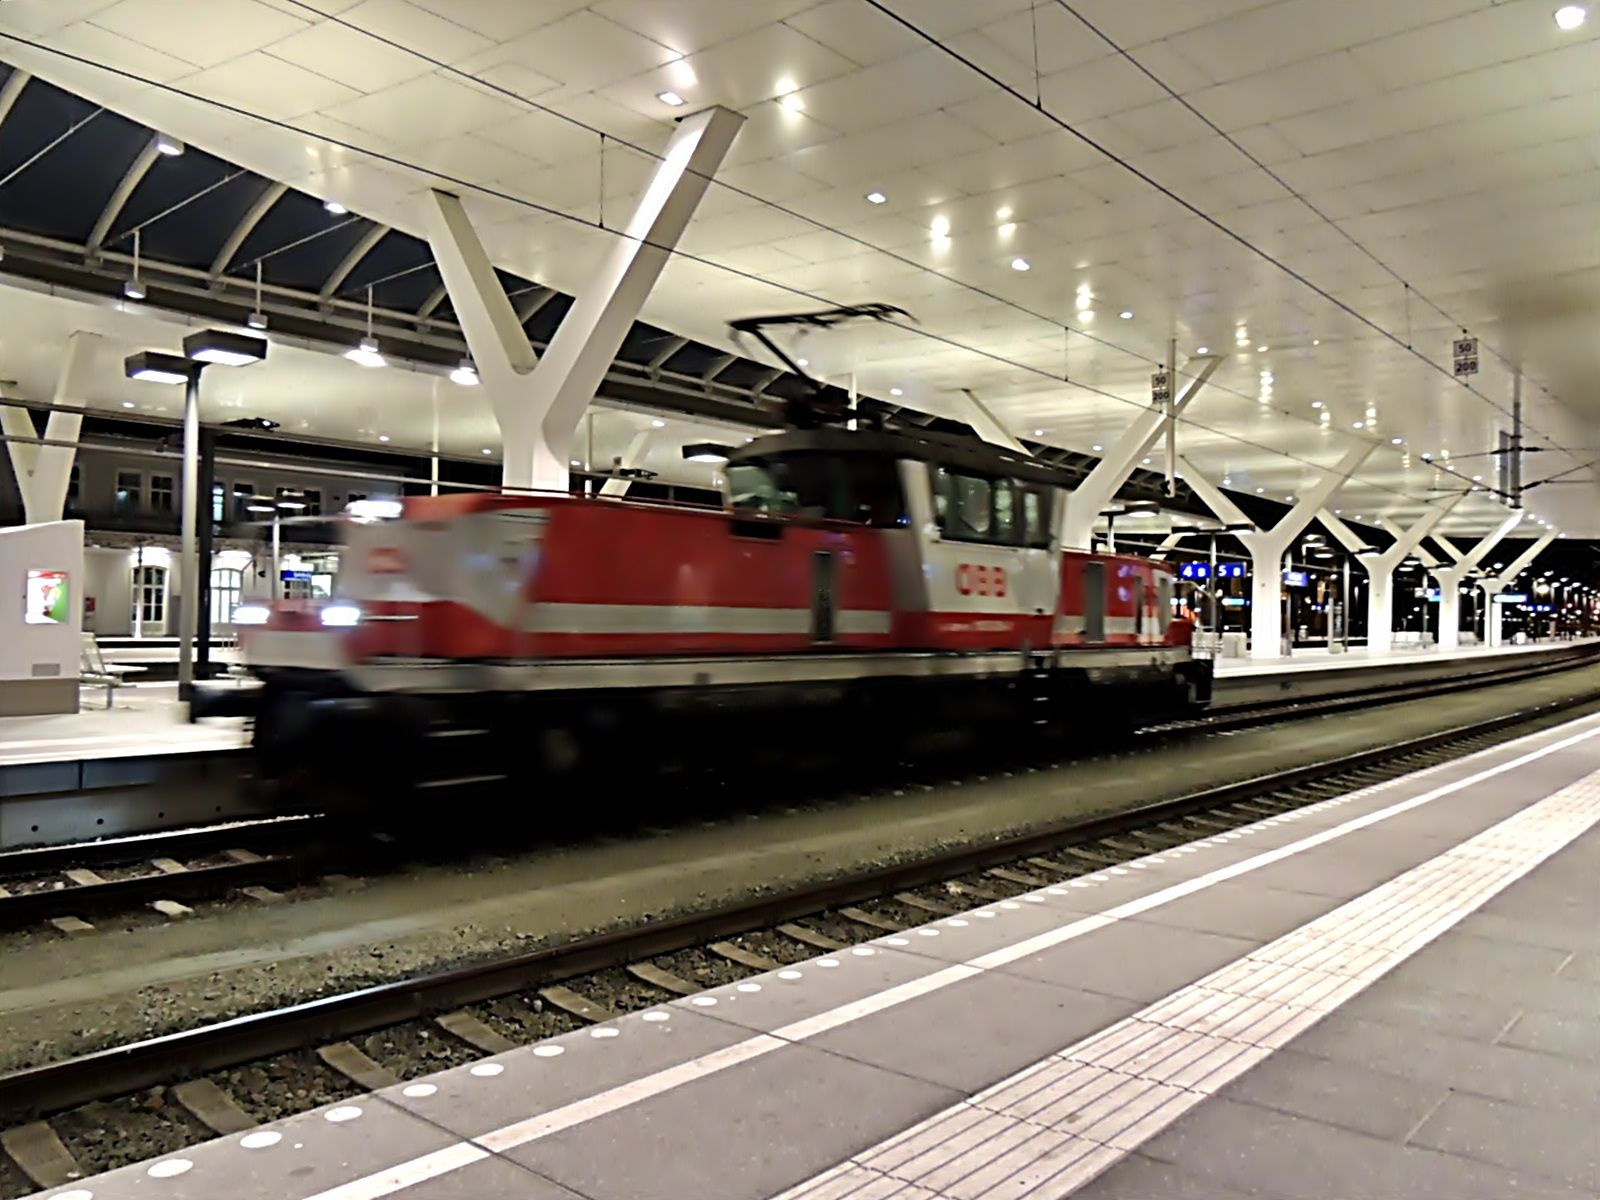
{"points": [[1195, 571], [296, 576], [1296, 578], [1233, 602], [1511, 598], [1230, 570]]}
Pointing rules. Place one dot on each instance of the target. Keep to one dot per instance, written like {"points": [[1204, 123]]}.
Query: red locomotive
{"points": [[863, 584]]}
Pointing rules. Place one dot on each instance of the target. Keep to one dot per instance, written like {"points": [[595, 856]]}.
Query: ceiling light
{"points": [[1360, 425], [575, 462], [1085, 316], [366, 354], [133, 289], [671, 98], [1261, 349], [486, 450], [804, 362], [1009, 228], [940, 227], [896, 392], [256, 320], [170, 146], [1003, 213], [1570, 16], [128, 404], [153, 366], [1125, 315], [383, 437], [1097, 449], [658, 424], [1146, 462], [1316, 341], [876, 198], [1477, 479], [1038, 433], [1261, 491], [225, 347], [335, 207], [707, 452], [1019, 264], [1397, 441], [466, 374], [792, 102], [1316, 404]]}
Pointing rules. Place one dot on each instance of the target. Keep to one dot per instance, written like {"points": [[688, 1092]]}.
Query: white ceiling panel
{"points": [[204, 35]]}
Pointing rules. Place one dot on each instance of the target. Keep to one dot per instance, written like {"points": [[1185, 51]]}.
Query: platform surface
{"points": [[1360, 658], [1391, 993], [145, 719]]}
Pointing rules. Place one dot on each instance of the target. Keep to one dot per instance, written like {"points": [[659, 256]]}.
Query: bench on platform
{"points": [[95, 671]]}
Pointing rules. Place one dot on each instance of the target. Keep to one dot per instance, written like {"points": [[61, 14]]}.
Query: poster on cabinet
{"points": [[48, 598]]}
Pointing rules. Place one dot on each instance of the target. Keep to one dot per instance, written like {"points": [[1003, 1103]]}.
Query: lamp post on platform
{"points": [[200, 350]]}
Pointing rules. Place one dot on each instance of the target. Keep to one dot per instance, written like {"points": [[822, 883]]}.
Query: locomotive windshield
{"points": [[840, 487]]}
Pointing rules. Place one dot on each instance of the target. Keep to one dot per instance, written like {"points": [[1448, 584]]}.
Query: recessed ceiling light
{"points": [[486, 450], [1261, 349], [1009, 228], [1360, 425], [168, 145], [466, 374], [940, 227], [335, 207], [804, 362], [1203, 350], [1085, 316], [658, 424], [1316, 341], [671, 98], [1019, 264], [575, 462], [1316, 404], [1397, 441], [127, 404], [876, 198], [1038, 433], [896, 392], [1261, 491], [1570, 16], [1097, 449], [792, 102], [1125, 315], [383, 437], [1003, 213]]}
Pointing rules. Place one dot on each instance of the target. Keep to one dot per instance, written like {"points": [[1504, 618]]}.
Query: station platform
{"points": [[1390, 993], [145, 720], [1359, 658]]}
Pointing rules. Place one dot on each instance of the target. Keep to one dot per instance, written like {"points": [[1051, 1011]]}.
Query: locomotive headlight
{"points": [[341, 616], [251, 614]]}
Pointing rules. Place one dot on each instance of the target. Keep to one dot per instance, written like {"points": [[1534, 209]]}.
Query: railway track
{"points": [[167, 873], [62, 1119]]}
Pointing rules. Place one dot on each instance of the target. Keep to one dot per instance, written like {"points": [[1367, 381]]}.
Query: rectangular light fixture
{"points": [[225, 347], [153, 366], [707, 452]]}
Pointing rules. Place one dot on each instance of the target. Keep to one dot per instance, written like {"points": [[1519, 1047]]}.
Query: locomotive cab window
{"points": [[860, 488], [969, 507]]}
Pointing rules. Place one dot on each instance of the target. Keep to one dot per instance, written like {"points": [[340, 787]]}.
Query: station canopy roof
{"points": [[1328, 196]]}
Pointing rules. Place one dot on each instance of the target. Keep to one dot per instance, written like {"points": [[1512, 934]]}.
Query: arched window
{"points": [[150, 601], [227, 589]]}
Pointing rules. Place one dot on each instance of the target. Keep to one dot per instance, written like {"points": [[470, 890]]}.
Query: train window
{"points": [[860, 488], [1036, 519], [1005, 512], [976, 508]]}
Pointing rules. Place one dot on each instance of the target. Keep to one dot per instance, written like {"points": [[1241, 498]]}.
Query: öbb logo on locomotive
{"points": [[975, 579]]}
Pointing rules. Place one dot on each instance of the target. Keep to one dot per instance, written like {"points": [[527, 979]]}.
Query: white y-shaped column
{"points": [[1267, 546], [45, 472], [1493, 631], [1085, 502], [539, 402], [1450, 579], [1380, 567]]}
